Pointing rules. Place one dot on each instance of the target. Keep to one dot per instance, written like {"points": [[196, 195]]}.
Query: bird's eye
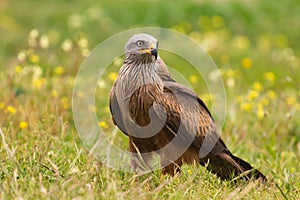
{"points": [[139, 43]]}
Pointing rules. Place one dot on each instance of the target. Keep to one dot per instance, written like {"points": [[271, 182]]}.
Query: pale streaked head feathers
{"points": [[139, 42]]}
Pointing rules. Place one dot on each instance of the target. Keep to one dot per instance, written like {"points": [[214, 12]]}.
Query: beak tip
{"points": [[154, 53]]}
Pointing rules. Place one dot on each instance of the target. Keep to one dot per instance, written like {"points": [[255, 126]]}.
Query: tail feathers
{"points": [[253, 173], [227, 166]]}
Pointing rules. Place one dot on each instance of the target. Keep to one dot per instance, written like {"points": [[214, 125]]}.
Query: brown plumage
{"points": [[160, 115]]}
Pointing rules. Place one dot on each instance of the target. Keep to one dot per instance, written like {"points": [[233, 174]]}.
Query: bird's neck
{"points": [[133, 76]]}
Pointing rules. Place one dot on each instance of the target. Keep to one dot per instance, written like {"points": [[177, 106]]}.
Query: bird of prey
{"points": [[162, 116]]}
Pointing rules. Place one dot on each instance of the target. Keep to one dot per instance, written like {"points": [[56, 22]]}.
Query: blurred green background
{"points": [[230, 30], [99, 20]]}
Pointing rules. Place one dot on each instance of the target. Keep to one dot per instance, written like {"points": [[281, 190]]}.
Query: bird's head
{"points": [[142, 45]]}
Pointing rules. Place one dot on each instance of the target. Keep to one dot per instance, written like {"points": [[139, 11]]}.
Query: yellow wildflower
{"points": [[59, 70], [246, 106], [38, 83], [54, 93], [217, 21], [271, 94], [23, 125], [230, 82], [241, 42], [259, 106], [230, 73], [257, 86], [260, 113], [112, 76], [11, 109], [85, 52], [2, 105], [34, 58], [83, 43], [193, 79], [65, 102], [190, 172], [18, 69], [291, 101], [252, 94], [247, 63], [269, 76], [265, 101], [103, 124]]}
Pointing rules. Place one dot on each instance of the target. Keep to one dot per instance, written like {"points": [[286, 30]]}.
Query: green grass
{"points": [[41, 154]]}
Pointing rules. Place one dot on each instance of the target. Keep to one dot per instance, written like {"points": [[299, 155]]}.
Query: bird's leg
{"points": [[172, 168]]}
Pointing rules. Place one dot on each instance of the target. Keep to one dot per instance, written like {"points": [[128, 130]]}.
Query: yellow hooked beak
{"points": [[151, 51]]}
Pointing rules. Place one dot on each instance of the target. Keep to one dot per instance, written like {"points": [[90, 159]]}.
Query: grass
{"points": [[255, 46]]}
